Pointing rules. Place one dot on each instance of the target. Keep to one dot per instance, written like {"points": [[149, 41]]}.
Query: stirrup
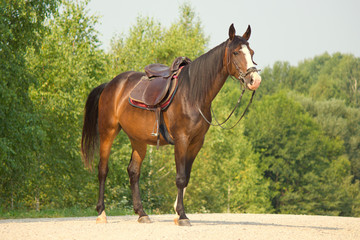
{"points": [[157, 123]]}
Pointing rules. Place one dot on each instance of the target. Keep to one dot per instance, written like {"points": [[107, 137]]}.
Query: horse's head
{"points": [[239, 59]]}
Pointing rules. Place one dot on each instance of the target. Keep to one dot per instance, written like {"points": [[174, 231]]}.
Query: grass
{"points": [[60, 213]]}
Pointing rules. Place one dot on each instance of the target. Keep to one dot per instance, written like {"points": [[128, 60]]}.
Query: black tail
{"points": [[90, 133]]}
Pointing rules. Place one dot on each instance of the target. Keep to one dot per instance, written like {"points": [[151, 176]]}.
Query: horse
{"points": [[107, 111]]}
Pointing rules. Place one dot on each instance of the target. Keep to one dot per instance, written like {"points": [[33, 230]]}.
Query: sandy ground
{"points": [[204, 226]]}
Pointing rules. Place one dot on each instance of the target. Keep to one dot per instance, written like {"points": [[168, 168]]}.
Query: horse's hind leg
{"points": [[107, 136], [137, 156]]}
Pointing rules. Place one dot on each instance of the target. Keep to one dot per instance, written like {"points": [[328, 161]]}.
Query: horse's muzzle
{"points": [[255, 80]]}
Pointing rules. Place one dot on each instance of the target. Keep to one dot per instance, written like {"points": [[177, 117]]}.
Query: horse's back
{"points": [[125, 79], [121, 85], [116, 94]]}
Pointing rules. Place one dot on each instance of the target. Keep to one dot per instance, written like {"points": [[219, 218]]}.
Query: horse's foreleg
{"points": [[181, 149], [106, 140], [184, 157], [137, 156]]}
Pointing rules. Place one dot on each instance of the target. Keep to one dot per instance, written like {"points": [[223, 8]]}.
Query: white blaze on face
{"points": [[245, 50], [255, 77]]}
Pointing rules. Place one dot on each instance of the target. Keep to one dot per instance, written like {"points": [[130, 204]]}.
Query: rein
{"points": [[232, 112]]}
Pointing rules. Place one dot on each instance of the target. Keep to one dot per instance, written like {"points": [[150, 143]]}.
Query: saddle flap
{"points": [[150, 92], [156, 91]]}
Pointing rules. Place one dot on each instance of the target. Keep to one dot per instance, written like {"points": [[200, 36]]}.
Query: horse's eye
{"points": [[235, 53]]}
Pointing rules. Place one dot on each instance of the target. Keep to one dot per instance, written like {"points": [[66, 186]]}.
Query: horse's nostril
{"points": [[252, 81]]}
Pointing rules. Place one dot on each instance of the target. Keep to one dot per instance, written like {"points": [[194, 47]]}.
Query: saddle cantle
{"points": [[155, 91], [158, 85]]}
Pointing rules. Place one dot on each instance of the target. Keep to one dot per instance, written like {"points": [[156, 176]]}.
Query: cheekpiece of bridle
{"points": [[243, 81]]}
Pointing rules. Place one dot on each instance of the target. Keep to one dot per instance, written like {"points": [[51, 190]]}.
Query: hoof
{"points": [[144, 219], [101, 218], [182, 222]]}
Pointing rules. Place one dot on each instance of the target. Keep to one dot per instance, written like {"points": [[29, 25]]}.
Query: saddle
{"points": [[157, 84], [156, 90]]}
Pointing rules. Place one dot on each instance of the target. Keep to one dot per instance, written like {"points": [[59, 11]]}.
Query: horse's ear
{"points": [[231, 32], [247, 33]]}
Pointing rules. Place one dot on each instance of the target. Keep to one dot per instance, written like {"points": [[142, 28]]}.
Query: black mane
{"points": [[197, 76]]}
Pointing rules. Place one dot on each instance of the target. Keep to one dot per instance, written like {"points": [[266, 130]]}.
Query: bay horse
{"points": [[107, 111]]}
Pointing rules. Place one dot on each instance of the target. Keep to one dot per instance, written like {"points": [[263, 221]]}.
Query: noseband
{"points": [[242, 77]]}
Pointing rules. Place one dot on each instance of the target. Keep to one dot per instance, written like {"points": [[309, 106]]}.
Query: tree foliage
{"points": [[148, 41], [66, 67], [324, 91], [297, 156], [21, 26]]}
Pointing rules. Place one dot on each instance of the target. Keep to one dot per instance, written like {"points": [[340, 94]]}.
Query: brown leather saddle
{"points": [[156, 90], [153, 89]]}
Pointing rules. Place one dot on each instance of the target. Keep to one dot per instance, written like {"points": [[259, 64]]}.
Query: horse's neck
{"points": [[217, 83], [205, 77], [217, 79]]}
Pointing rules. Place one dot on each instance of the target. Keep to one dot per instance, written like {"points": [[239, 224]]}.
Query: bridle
{"points": [[242, 77]]}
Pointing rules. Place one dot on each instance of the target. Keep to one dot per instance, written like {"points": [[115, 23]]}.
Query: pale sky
{"points": [[282, 30]]}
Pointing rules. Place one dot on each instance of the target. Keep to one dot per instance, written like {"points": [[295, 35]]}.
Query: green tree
{"points": [[283, 76], [149, 42], [21, 26], [295, 153], [67, 66], [339, 78], [323, 77], [338, 121]]}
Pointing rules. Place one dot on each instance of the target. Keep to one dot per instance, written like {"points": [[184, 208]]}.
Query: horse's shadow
{"points": [[244, 223]]}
